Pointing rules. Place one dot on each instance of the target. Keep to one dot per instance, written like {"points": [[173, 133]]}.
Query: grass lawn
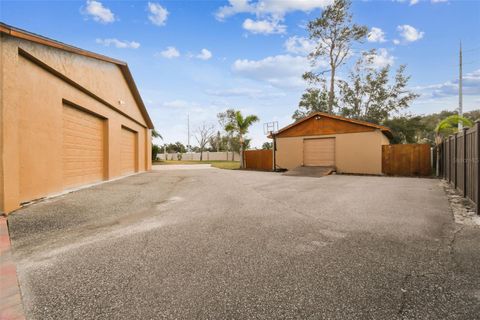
{"points": [[230, 165]]}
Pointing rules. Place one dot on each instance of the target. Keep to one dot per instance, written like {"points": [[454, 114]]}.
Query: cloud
{"points": [[158, 14], [245, 92], [299, 45], [396, 41], [411, 2], [264, 26], [176, 104], [471, 86], [98, 12], [438, 1], [409, 33], [118, 43], [269, 7], [170, 53], [269, 13], [382, 59], [376, 35], [204, 55], [280, 71]]}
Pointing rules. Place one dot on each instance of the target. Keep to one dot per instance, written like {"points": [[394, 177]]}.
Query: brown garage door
{"points": [[128, 151], [319, 152], [83, 147]]}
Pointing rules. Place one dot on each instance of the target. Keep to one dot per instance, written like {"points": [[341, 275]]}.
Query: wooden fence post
{"points": [[455, 159], [465, 176], [477, 160], [449, 159]]}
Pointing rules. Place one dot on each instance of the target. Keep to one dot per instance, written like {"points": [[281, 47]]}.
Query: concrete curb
{"points": [[11, 307]]}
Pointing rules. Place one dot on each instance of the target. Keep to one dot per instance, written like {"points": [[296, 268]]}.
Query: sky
{"points": [[197, 58]]}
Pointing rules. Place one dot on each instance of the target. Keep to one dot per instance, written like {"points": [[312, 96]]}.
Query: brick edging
{"points": [[11, 307]]}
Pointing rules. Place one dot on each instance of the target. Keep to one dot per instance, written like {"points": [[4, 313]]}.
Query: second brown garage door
{"points": [[128, 151], [83, 147], [319, 152]]}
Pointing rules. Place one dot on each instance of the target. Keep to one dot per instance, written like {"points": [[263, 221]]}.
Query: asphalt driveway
{"points": [[218, 244]]}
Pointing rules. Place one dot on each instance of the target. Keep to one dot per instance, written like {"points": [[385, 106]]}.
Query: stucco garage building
{"points": [[68, 118], [322, 139]]}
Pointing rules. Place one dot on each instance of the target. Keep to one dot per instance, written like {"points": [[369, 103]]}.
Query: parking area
{"points": [[221, 244]]}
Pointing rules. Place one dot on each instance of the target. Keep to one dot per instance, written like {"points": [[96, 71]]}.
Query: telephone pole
{"points": [[460, 93]]}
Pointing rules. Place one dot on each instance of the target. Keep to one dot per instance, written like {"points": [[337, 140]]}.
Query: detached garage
{"points": [[325, 140], [68, 118]]}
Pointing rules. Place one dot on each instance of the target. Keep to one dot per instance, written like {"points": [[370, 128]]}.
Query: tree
{"points": [[368, 94], [202, 135], [215, 142], [224, 118], [406, 129], [155, 148], [176, 147], [449, 125], [155, 151], [240, 126], [267, 145], [313, 100], [156, 134], [334, 34]]}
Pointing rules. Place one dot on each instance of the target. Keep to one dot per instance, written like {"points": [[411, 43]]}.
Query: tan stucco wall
{"points": [[32, 117], [2, 75], [354, 152]]}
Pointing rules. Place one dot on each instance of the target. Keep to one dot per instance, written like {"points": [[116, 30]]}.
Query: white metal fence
{"points": [[195, 156]]}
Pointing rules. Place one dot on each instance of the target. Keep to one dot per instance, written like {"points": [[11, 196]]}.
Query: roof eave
{"points": [[26, 35]]}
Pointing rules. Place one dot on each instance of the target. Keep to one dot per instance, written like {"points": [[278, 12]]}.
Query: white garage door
{"points": [[319, 152], [83, 147], [128, 151]]}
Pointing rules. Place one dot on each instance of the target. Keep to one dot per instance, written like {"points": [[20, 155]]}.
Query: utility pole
{"points": [[460, 93], [188, 132]]}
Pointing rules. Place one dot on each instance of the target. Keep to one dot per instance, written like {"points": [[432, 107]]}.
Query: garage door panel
{"points": [[319, 152], [128, 151], [83, 147]]}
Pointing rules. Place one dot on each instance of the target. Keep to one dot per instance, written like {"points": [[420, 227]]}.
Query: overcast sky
{"points": [[201, 57]]}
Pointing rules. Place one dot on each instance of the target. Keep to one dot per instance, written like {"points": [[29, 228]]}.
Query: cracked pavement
{"points": [[219, 244]]}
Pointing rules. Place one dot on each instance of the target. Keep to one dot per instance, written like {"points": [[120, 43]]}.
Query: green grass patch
{"points": [[221, 164]]}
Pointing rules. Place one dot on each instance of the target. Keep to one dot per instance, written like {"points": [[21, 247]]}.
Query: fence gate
{"points": [[406, 160], [258, 160]]}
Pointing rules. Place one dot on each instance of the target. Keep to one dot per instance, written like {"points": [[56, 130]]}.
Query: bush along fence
{"points": [[460, 162]]}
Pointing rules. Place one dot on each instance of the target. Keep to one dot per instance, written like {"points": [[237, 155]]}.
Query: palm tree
{"points": [[446, 127], [156, 134], [240, 125]]}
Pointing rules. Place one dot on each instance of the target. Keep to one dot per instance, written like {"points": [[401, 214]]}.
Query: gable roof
{"points": [[23, 34], [386, 131]]}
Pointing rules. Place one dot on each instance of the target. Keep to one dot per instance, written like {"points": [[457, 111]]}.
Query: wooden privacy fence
{"points": [[460, 162], [406, 160], [258, 159]]}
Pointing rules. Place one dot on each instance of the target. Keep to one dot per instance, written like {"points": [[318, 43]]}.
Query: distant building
{"points": [[321, 139]]}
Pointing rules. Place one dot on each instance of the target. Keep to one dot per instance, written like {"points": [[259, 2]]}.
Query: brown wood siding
{"points": [[128, 151], [258, 160], [323, 126], [406, 160], [83, 147], [319, 152]]}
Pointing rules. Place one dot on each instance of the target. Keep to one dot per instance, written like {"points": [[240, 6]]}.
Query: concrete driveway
{"points": [[218, 244]]}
